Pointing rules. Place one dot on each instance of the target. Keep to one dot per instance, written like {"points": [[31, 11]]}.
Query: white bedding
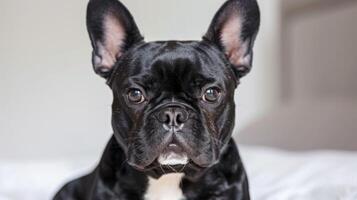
{"points": [[273, 175], [323, 175]]}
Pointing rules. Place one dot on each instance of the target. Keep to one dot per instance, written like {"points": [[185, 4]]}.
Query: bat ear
{"points": [[234, 29], [112, 31]]}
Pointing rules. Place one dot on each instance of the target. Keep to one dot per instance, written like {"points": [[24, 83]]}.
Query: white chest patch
{"points": [[167, 187]]}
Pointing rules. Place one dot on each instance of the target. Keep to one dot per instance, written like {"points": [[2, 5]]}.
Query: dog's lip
{"points": [[173, 147], [170, 169]]}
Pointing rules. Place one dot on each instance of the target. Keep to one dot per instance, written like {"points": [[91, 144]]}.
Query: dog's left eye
{"points": [[211, 95], [136, 96]]}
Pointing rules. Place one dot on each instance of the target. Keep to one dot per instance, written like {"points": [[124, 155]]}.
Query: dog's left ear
{"points": [[112, 31], [234, 29]]}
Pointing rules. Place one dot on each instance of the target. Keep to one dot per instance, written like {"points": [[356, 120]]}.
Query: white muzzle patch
{"points": [[172, 158]]}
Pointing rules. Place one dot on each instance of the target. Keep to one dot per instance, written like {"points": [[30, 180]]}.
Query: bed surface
{"points": [[318, 175], [273, 175]]}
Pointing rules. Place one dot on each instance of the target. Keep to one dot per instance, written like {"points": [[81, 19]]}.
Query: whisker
{"points": [[173, 169], [163, 171], [183, 168]]}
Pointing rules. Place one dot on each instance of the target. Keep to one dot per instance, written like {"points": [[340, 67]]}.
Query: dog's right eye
{"points": [[136, 96]]}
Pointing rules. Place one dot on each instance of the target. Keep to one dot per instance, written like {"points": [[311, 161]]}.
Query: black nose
{"points": [[173, 116]]}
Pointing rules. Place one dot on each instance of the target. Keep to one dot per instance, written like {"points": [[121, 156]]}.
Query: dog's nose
{"points": [[173, 116]]}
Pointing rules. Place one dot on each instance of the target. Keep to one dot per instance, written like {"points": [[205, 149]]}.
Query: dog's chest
{"points": [[165, 188]]}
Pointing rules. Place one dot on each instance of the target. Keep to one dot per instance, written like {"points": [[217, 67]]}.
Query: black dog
{"points": [[173, 109]]}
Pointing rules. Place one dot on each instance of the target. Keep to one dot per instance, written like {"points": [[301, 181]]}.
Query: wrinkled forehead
{"points": [[175, 60]]}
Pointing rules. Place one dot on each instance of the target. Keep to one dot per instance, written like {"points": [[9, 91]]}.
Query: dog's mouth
{"points": [[172, 159], [176, 155]]}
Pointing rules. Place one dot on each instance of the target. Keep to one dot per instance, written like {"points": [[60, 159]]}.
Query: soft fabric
{"points": [[273, 175], [318, 175]]}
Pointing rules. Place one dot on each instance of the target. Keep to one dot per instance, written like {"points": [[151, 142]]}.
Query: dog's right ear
{"points": [[112, 31]]}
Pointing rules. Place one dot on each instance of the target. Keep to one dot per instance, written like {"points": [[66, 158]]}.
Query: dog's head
{"points": [[173, 100]]}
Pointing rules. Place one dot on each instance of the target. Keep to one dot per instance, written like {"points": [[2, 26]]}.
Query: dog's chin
{"points": [[167, 163], [173, 155], [172, 158], [173, 163]]}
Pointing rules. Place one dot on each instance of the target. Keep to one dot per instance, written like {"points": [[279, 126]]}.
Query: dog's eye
{"points": [[211, 95], [136, 96]]}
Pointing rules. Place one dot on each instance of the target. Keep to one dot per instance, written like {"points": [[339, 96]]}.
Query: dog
{"points": [[173, 108]]}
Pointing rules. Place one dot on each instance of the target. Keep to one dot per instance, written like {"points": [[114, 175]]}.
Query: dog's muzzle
{"points": [[173, 118]]}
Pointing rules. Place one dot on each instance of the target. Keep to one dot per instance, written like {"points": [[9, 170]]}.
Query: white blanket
{"points": [[323, 175], [273, 175]]}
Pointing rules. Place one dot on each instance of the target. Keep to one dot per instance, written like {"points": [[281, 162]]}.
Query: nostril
{"points": [[167, 118], [181, 117]]}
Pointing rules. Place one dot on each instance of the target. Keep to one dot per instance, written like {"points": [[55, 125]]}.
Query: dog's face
{"points": [[173, 100]]}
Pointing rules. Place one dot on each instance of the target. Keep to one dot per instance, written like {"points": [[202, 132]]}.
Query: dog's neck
{"points": [[153, 186]]}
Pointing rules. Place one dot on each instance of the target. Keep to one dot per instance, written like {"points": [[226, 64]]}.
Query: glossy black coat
{"points": [[114, 179], [169, 74]]}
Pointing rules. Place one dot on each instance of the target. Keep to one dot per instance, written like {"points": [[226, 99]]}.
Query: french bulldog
{"points": [[173, 108]]}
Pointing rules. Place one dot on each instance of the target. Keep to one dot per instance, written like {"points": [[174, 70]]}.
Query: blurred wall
{"points": [[318, 82], [323, 52], [51, 102]]}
